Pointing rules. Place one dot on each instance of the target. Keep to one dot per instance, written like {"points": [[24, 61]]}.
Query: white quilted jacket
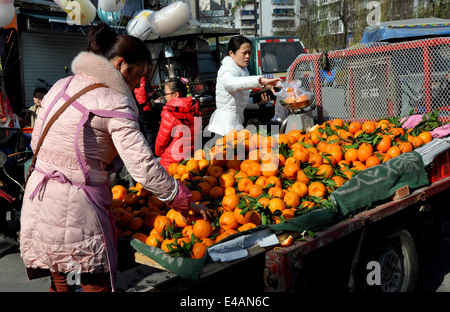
{"points": [[232, 96]]}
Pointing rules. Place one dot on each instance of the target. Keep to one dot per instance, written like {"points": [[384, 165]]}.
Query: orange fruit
{"points": [[292, 160], [207, 241], [291, 199], [315, 136], [140, 236], [228, 221], [383, 124], [202, 229], [167, 241], [136, 223], [396, 132], [255, 190], [384, 144], [204, 187], [196, 196], [181, 169], [405, 147], [153, 241], [336, 124], [180, 220], [215, 171], [212, 181], [276, 191], [288, 213], [172, 169], [245, 164], [338, 180], [226, 233], [325, 170], [154, 201], [123, 217], [234, 164], [244, 184], [315, 160], [198, 250], [394, 151], [385, 157], [203, 163], [276, 204], [426, 136], [242, 218], [273, 180], [365, 150], [417, 141], [216, 192], [131, 199], [301, 177], [188, 231], [372, 161], [269, 169], [336, 152], [301, 154], [254, 169], [264, 201], [300, 188], [161, 223], [119, 192], [354, 127], [368, 126], [295, 133], [229, 190], [290, 170], [240, 174], [229, 202], [317, 189], [246, 226], [192, 166], [306, 204], [149, 219], [199, 154]]}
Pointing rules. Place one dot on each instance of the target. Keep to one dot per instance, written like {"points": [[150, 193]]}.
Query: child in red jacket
{"points": [[175, 139]]}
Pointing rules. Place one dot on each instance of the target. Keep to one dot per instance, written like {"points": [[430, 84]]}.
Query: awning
{"points": [[411, 29]]}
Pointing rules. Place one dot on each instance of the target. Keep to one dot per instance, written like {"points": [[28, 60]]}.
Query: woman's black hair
{"points": [[40, 90], [176, 85], [235, 43], [103, 40]]}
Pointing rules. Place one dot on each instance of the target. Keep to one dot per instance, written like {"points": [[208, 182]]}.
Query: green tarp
{"points": [[360, 193]]}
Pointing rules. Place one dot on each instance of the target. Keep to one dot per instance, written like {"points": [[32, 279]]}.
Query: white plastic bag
{"points": [[170, 18], [292, 92]]}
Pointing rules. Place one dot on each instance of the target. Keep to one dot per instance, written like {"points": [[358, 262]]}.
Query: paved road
{"points": [[434, 263]]}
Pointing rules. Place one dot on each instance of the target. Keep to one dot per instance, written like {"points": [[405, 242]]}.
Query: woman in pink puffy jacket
{"points": [[66, 221], [176, 135]]}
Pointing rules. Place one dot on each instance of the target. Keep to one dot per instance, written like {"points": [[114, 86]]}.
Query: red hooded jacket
{"points": [[175, 140]]}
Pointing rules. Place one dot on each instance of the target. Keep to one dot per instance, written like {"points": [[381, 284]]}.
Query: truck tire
{"points": [[388, 262]]}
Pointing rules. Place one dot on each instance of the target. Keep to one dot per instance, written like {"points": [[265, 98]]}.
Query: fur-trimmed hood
{"points": [[99, 67]]}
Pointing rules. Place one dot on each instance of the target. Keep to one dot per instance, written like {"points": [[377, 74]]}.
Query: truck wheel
{"points": [[390, 262]]}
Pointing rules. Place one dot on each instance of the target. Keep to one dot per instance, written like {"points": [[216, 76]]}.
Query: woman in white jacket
{"points": [[233, 87]]}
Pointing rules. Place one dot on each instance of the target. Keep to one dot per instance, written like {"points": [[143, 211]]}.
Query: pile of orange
{"points": [[247, 179]]}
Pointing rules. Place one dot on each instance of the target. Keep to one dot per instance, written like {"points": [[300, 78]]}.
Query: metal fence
{"points": [[378, 80]]}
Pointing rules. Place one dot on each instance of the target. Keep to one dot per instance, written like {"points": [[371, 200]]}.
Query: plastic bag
{"points": [[291, 92]]}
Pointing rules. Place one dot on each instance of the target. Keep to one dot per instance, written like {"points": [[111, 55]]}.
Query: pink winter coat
{"points": [[60, 230]]}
